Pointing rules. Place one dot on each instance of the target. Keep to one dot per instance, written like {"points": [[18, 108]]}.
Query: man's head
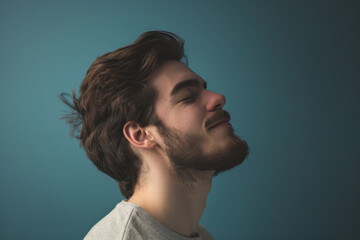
{"points": [[145, 84], [194, 129]]}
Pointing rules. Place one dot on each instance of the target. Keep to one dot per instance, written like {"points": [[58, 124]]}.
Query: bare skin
{"points": [[176, 204], [167, 200]]}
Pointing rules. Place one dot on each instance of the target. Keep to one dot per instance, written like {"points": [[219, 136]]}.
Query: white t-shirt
{"points": [[129, 221]]}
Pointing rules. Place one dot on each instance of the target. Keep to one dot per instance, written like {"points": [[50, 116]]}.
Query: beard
{"points": [[185, 151]]}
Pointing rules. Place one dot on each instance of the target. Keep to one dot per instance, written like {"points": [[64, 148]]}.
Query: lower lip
{"points": [[224, 124]]}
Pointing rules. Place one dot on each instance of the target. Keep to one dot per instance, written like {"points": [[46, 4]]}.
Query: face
{"points": [[196, 131]]}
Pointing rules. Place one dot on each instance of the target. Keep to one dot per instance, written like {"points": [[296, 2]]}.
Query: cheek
{"points": [[189, 118]]}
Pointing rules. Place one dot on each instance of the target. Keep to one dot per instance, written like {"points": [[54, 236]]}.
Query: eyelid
{"points": [[192, 98], [188, 99]]}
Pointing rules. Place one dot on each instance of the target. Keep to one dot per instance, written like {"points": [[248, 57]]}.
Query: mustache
{"points": [[219, 115]]}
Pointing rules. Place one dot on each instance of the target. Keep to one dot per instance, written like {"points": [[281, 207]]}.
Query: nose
{"points": [[214, 101]]}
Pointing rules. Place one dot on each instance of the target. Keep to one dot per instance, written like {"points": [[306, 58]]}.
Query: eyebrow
{"points": [[185, 84]]}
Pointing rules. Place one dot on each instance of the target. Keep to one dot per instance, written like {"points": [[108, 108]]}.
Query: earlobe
{"points": [[138, 136]]}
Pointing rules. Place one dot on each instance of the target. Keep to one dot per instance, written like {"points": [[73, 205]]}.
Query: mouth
{"points": [[221, 123]]}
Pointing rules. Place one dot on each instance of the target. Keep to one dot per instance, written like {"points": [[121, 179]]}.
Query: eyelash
{"points": [[191, 99], [188, 99]]}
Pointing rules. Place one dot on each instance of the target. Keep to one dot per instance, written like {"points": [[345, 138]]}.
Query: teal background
{"points": [[289, 69]]}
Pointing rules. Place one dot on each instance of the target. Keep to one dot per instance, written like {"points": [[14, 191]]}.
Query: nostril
{"points": [[218, 106]]}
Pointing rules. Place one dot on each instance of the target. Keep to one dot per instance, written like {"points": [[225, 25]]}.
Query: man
{"points": [[149, 122]]}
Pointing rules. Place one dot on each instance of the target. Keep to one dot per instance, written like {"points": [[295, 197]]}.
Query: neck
{"points": [[176, 203]]}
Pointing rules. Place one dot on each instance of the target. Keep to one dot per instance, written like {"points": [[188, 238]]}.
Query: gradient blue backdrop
{"points": [[289, 70]]}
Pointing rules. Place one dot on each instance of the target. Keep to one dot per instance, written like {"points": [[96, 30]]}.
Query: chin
{"points": [[220, 151], [220, 155], [228, 154]]}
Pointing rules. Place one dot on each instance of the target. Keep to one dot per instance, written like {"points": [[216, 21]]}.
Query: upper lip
{"points": [[218, 122]]}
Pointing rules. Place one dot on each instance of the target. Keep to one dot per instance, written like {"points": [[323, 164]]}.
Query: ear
{"points": [[139, 137]]}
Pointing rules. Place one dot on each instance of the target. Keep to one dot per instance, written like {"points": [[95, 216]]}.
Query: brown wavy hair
{"points": [[115, 90]]}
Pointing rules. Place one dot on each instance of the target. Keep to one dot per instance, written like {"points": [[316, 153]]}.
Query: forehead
{"points": [[169, 74]]}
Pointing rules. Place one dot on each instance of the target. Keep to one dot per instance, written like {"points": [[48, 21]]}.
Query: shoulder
{"points": [[129, 221], [113, 225], [205, 235]]}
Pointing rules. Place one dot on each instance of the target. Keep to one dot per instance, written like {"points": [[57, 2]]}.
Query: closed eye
{"points": [[190, 99]]}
